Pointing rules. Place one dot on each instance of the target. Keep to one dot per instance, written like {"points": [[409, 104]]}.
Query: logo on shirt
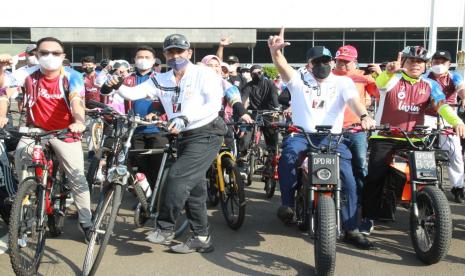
{"points": [[401, 95], [44, 94], [318, 104], [409, 108]]}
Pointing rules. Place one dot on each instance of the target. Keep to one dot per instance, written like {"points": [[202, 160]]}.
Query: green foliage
{"points": [[270, 71]]}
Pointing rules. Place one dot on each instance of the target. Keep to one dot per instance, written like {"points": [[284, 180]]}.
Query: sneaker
{"points": [[458, 194], [160, 237], [194, 244], [285, 214], [356, 238], [366, 226], [86, 232]]}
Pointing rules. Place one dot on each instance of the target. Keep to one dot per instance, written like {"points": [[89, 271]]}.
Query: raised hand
{"points": [[395, 66], [276, 42], [225, 41]]}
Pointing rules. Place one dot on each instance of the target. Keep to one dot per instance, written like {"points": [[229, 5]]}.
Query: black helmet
{"points": [[415, 52], [176, 41]]}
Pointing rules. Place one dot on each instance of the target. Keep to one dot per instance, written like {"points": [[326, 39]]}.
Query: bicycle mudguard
{"points": [[219, 159]]}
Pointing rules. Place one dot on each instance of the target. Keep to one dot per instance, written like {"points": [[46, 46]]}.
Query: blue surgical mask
{"points": [[177, 64]]}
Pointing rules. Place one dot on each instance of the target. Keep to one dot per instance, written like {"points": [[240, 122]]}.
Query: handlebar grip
{"points": [[96, 104]]}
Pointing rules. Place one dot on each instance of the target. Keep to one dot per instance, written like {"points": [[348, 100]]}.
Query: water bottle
{"points": [[144, 184]]}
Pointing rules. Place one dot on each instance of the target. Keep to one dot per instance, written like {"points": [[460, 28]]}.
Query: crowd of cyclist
{"points": [[197, 99]]}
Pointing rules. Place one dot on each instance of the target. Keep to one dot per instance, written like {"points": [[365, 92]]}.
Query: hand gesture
{"points": [[5, 60], [368, 123], [395, 66], [276, 42], [225, 41], [460, 130]]}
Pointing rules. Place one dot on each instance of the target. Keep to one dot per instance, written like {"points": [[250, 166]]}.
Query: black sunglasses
{"points": [[46, 53]]}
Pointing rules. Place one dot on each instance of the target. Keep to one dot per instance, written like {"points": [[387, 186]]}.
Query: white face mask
{"points": [[144, 64], [50, 62], [439, 69], [32, 60]]}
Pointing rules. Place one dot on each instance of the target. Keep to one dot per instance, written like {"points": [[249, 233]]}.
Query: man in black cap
{"points": [[318, 98], [453, 86], [260, 94], [192, 97]]}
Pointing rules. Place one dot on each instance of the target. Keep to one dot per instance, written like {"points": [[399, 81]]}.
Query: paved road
{"points": [[262, 246]]}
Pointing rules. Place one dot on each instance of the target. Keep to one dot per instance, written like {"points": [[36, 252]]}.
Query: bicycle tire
{"points": [[251, 167], [432, 205], [233, 193], [27, 190], [112, 196], [141, 214], [325, 236]]}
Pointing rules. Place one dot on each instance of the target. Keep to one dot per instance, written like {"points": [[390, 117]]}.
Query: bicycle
{"points": [[224, 183], [40, 202], [118, 176], [318, 199], [150, 210], [413, 181]]}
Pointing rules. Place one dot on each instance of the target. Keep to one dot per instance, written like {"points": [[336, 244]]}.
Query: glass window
{"points": [[244, 54], [417, 34], [21, 34], [416, 43], [390, 35], [358, 35], [364, 49], [328, 35], [201, 52], [387, 50], [265, 35], [450, 46], [298, 35], [5, 34], [449, 34], [125, 53], [296, 52], [262, 52]]}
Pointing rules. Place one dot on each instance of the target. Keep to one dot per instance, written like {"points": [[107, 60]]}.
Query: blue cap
{"points": [[317, 52]]}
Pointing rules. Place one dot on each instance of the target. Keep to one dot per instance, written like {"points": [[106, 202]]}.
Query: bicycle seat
{"points": [[323, 127]]}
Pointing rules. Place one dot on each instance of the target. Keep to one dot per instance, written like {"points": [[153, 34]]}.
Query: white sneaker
{"points": [[4, 244]]}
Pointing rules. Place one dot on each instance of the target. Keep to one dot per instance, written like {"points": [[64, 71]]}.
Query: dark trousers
{"points": [[149, 164], [185, 184], [381, 151]]}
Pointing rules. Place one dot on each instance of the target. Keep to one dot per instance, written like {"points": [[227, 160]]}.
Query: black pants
{"points": [[380, 155], [149, 164], [185, 185]]}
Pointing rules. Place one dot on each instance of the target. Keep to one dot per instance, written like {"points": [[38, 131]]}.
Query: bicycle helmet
{"points": [[416, 52], [176, 41]]}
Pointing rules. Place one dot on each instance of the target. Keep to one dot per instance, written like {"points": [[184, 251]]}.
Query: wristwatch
{"points": [[363, 116]]}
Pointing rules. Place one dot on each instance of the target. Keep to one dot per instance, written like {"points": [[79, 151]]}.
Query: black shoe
{"points": [[458, 194], [285, 214], [356, 238], [193, 244]]}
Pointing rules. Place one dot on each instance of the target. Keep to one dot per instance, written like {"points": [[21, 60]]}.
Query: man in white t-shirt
{"points": [[318, 98]]}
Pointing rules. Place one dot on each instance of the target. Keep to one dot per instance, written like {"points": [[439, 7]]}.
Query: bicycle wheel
{"points": [[27, 235], [431, 233], [105, 216], [141, 214], [233, 197], [325, 236], [97, 166], [251, 172]]}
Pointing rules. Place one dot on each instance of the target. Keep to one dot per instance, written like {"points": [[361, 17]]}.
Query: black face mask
{"points": [[89, 70], [256, 77], [321, 71]]}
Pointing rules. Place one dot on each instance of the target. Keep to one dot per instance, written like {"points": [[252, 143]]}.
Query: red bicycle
{"points": [[40, 203]]}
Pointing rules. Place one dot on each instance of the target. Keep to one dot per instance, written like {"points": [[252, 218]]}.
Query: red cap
{"points": [[347, 52]]}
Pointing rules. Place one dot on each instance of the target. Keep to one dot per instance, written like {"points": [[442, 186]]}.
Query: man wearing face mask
{"points": [[146, 137], [452, 85], [191, 96], [318, 98], [54, 100], [260, 94], [89, 74]]}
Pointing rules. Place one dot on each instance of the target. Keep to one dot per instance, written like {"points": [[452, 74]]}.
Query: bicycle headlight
{"points": [[323, 174], [121, 170]]}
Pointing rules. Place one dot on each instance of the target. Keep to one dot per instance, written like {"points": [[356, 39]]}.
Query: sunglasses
{"points": [[46, 53]]}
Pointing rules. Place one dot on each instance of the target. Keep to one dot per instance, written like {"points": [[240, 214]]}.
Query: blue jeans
{"points": [[294, 148], [358, 145]]}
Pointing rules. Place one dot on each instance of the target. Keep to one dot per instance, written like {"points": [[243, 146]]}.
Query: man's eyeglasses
{"points": [[46, 53]]}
